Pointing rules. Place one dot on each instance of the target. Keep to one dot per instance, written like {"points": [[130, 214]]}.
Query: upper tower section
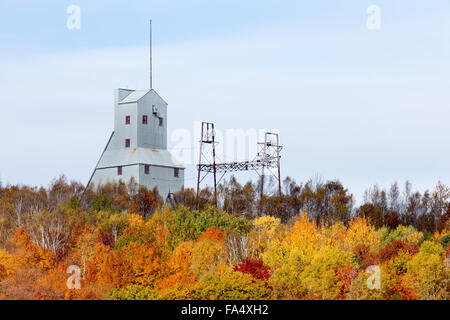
{"points": [[141, 117]]}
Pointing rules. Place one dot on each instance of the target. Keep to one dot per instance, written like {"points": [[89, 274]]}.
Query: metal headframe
{"points": [[266, 160]]}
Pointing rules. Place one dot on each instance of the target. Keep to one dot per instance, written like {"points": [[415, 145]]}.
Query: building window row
{"points": [[176, 171], [144, 120]]}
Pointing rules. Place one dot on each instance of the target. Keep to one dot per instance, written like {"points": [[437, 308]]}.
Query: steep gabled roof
{"points": [[135, 96]]}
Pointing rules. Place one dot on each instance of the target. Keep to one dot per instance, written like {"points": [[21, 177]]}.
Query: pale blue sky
{"points": [[364, 106]]}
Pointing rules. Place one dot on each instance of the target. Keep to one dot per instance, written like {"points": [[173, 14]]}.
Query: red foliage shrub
{"points": [[255, 268], [365, 257], [392, 249], [105, 238], [401, 290], [346, 275]]}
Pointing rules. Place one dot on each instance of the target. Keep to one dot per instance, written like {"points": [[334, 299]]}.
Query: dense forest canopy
{"points": [[311, 242]]}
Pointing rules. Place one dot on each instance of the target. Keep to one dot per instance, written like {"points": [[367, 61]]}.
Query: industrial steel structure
{"points": [[266, 161]]}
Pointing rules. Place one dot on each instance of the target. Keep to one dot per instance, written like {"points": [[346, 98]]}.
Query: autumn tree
{"points": [[427, 273], [255, 268], [143, 203], [372, 213]]}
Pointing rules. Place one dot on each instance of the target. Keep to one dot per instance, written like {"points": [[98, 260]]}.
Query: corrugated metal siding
{"points": [[160, 177], [123, 157]]}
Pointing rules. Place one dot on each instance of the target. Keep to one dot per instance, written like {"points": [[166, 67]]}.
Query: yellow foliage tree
{"points": [[427, 272], [207, 256], [263, 232], [361, 233], [320, 278], [291, 255]]}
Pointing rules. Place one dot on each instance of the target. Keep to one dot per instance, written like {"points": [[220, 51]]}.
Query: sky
{"points": [[365, 106]]}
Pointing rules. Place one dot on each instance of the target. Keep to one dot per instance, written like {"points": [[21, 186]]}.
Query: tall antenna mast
{"points": [[151, 64]]}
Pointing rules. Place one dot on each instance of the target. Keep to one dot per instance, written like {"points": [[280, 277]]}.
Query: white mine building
{"points": [[138, 145]]}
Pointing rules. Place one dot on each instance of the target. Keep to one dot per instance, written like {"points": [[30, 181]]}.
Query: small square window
{"points": [[161, 122], [176, 172], [144, 119], [127, 119], [147, 169], [119, 171], [127, 143]]}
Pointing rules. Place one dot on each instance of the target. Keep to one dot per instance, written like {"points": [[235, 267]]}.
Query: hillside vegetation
{"points": [[309, 243]]}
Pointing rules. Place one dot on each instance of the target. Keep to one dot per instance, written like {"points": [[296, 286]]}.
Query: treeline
{"points": [[33, 208], [330, 201], [309, 243]]}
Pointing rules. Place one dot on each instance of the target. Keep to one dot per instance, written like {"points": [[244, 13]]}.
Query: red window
{"points": [[119, 171], [127, 143], [161, 122], [127, 119], [176, 172], [147, 169], [144, 119]]}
